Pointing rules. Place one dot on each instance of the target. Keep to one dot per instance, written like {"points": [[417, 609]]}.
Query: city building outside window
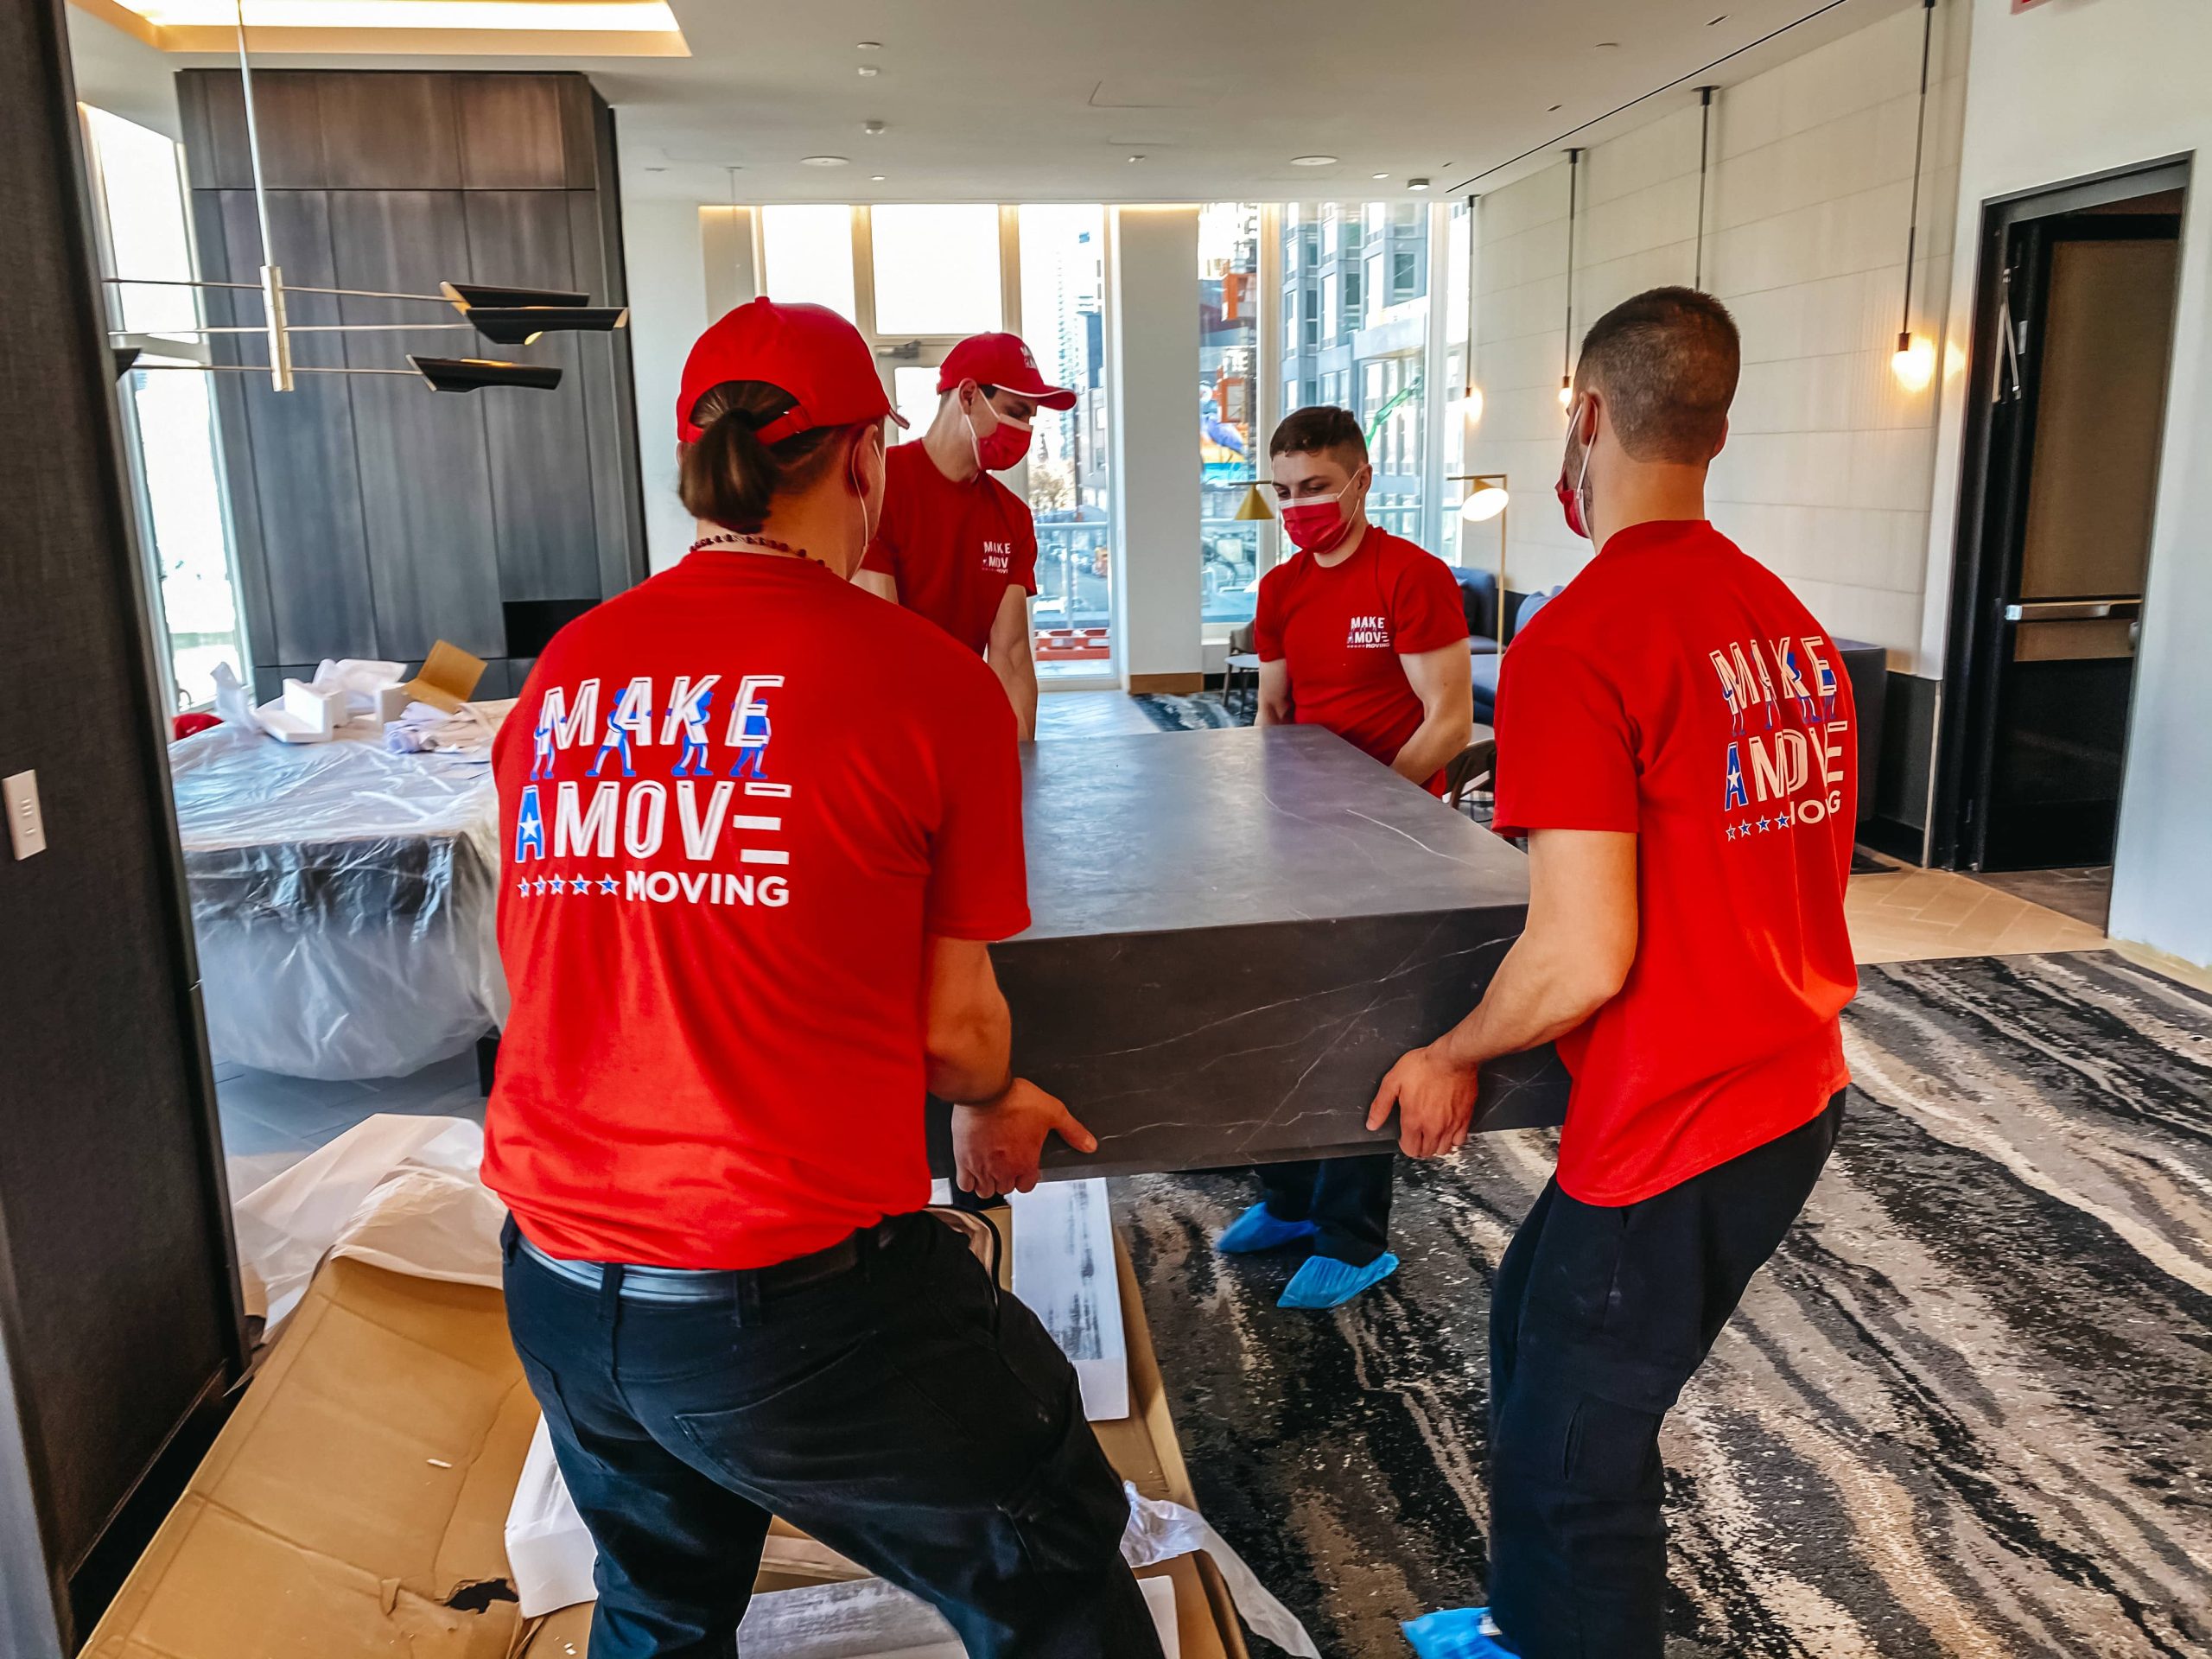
{"points": [[1230, 548], [167, 414]]}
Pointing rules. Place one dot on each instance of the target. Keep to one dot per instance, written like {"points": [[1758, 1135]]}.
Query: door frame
{"points": [[1980, 556]]}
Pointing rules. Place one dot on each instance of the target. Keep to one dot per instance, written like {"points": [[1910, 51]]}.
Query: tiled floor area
{"points": [[270, 1122], [2084, 894]]}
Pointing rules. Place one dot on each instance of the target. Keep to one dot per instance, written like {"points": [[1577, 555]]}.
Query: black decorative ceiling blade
{"points": [[470, 373], [125, 356], [465, 296], [518, 325]]}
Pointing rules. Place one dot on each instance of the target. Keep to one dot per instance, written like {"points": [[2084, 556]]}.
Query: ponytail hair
{"points": [[728, 477]]}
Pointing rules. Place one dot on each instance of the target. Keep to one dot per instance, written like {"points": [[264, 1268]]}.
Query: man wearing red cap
{"points": [[740, 957], [955, 544]]}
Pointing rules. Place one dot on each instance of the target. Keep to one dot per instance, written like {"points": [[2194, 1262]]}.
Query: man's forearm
{"points": [[1017, 672], [971, 1059], [1538, 995], [1434, 743]]}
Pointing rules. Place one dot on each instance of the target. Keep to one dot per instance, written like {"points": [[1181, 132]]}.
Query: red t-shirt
{"points": [[733, 801], [955, 549], [1677, 688], [1342, 629]]}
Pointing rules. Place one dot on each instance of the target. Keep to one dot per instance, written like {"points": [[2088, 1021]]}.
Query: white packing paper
{"points": [[1064, 1273], [1159, 1531], [868, 1619]]}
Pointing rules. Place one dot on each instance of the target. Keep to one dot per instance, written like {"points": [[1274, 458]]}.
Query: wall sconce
{"points": [[1488, 500]]}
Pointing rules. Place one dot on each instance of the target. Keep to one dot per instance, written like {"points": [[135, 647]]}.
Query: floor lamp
{"points": [[1488, 500]]}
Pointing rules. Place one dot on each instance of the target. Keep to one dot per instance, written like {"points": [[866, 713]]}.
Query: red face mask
{"points": [[1315, 526], [1573, 500], [1002, 447]]}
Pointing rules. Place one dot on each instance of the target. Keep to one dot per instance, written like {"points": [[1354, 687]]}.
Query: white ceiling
{"points": [[1045, 100]]}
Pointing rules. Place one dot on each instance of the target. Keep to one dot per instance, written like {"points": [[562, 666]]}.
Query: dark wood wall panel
{"points": [[118, 1306], [387, 131], [308, 488], [541, 498], [426, 475], [374, 516]]}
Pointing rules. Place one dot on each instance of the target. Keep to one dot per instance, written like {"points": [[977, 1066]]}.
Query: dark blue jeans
{"points": [[906, 1413], [1347, 1200], [1599, 1317]]}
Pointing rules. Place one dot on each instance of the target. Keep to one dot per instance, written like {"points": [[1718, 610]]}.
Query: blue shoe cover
{"points": [[1260, 1228], [1462, 1633], [1323, 1281]]}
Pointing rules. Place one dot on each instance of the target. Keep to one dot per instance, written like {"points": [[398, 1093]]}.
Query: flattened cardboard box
{"points": [[355, 1504]]}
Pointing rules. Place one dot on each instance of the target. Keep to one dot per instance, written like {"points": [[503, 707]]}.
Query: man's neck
{"points": [[951, 446], [1656, 494], [805, 531], [1350, 544]]}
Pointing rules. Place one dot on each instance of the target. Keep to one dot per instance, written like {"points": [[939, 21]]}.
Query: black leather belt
{"points": [[643, 1283]]}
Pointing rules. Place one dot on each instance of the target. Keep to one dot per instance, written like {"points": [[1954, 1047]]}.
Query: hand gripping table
{"points": [[1235, 933]]}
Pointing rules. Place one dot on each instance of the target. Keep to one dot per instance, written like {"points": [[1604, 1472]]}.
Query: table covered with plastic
{"points": [[344, 898]]}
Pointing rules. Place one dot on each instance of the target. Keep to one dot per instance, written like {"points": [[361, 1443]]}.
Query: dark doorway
{"points": [[2072, 349]]}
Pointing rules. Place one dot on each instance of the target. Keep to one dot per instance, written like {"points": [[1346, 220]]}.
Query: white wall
{"points": [[667, 267], [1153, 357], [2070, 88], [121, 74], [1829, 465]]}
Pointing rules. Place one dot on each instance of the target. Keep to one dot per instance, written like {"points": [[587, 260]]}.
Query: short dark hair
{"points": [[1321, 429], [1667, 362]]}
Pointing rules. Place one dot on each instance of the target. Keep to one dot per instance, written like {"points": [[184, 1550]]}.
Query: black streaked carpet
{"points": [[1965, 1413], [1204, 711]]}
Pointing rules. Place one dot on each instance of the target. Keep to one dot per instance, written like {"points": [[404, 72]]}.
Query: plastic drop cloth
{"points": [[343, 900]]}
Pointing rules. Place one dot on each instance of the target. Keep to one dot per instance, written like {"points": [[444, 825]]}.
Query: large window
{"points": [[1230, 548], [1366, 347], [936, 268], [807, 251], [1071, 466], [168, 416]]}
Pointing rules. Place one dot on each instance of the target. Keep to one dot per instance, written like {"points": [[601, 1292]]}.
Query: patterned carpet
{"points": [[1966, 1413], [1204, 711]]}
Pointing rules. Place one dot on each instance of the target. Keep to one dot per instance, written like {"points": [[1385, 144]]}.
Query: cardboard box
{"points": [[354, 1505]]}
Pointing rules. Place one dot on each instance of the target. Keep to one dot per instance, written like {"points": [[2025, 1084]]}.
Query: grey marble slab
{"points": [[1235, 932]]}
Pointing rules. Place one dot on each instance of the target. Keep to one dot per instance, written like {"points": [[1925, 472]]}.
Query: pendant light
{"points": [[1704, 168], [1914, 362], [1566, 334], [506, 316]]}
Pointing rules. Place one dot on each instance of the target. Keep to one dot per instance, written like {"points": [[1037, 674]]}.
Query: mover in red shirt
{"points": [[1675, 739], [759, 828], [954, 543], [1362, 632]]}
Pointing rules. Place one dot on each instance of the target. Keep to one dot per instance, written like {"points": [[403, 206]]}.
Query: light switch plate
{"points": [[26, 825]]}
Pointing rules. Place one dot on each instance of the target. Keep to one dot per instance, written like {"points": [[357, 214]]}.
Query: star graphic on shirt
{"points": [[539, 886], [1765, 824], [607, 884], [522, 887], [1782, 818]]}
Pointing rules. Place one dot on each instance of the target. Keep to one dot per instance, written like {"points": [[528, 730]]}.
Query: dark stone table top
{"points": [[1227, 829], [1235, 934]]}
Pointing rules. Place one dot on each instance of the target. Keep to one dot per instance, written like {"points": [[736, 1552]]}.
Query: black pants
{"points": [[1599, 1317], [1347, 1200], [906, 1413]]}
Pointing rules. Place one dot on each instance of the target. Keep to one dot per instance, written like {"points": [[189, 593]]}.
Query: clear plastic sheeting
{"points": [[343, 900]]}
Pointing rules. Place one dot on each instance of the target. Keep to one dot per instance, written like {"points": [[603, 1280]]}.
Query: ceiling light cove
{"points": [[824, 161], [614, 27], [1313, 161]]}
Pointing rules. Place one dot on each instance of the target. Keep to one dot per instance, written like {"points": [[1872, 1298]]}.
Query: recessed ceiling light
{"points": [[868, 46], [1722, 18], [1136, 158], [1556, 109], [876, 178], [1313, 161], [869, 69], [1416, 184], [874, 129], [1380, 176], [1604, 46], [823, 161]]}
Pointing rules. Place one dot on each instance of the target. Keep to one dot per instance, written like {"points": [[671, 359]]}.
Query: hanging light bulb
{"points": [[1914, 363], [1565, 392], [1472, 403]]}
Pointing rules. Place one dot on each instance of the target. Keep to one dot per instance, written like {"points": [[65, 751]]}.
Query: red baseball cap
{"points": [[808, 350], [1000, 360]]}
